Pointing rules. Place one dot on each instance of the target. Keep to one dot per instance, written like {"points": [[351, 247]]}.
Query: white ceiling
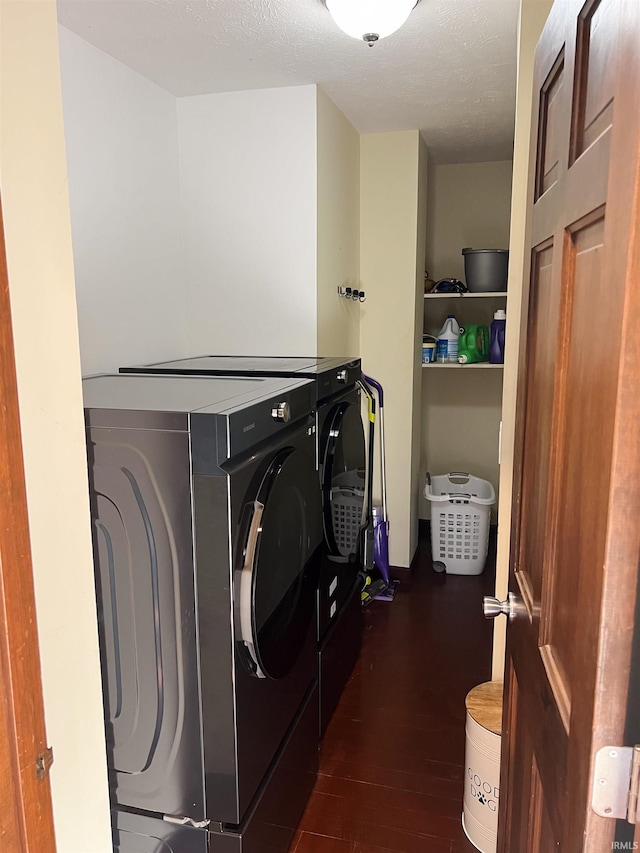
{"points": [[449, 71]]}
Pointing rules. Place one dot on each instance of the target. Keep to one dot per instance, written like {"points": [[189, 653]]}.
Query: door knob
{"points": [[493, 607]]}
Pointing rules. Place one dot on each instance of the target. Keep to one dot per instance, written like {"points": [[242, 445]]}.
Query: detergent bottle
{"points": [[447, 344], [473, 344], [496, 350]]}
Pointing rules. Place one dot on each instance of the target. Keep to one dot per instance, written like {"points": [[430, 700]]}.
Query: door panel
{"points": [[575, 547], [542, 836], [550, 128], [516, 739], [542, 335], [540, 831], [583, 448], [595, 74]]}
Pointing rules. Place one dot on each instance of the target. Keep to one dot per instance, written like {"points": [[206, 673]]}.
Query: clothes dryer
{"points": [[207, 527], [341, 464]]}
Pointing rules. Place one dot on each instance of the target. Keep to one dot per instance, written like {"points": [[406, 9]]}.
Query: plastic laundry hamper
{"points": [[460, 518], [347, 496]]}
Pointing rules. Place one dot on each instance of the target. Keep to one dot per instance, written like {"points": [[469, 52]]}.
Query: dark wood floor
{"points": [[391, 765]]}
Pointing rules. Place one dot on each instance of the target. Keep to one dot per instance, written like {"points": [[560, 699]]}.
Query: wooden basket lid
{"points": [[484, 705]]}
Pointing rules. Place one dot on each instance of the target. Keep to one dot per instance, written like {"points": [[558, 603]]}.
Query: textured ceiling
{"points": [[449, 71]]}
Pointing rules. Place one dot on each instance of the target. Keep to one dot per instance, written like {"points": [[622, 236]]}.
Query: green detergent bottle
{"points": [[473, 344]]}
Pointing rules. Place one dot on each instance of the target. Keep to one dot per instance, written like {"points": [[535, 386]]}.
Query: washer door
{"points": [[279, 573], [343, 480]]}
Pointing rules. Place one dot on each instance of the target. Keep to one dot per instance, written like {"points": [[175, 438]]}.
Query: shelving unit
{"points": [[468, 308], [461, 406], [461, 416], [482, 365], [493, 294]]}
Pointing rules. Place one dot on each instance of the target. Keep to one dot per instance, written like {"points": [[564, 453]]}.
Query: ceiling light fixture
{"points": [[370, 20]]}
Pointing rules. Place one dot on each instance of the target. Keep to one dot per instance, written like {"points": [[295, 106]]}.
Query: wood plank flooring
{"points": [[392, 761]]}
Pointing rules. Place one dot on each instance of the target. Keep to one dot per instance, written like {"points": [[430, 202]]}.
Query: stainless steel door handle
{"points": [[246, 585], [493, 607]]}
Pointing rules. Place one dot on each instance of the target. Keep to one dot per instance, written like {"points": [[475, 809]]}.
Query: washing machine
{"points": [[208, 532], [341, 464]]}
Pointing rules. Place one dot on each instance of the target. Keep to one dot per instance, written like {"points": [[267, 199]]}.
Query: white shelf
{"points": [[481, 365], [490, 295]]}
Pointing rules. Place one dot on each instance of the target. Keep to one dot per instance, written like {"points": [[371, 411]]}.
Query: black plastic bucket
{"points": [[486, 270]]}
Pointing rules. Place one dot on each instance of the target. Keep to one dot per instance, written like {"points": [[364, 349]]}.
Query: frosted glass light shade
{"points": [[360, 18]]}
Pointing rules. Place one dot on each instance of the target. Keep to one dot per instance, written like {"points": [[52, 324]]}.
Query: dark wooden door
{"points": [[26, 821], [575, 550]]}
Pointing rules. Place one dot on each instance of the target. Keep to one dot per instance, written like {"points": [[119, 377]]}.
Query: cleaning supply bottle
{"points": [[447, 345], [473, 344], [429, 343], [496, 350]]}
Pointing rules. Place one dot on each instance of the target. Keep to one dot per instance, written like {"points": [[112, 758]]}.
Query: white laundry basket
{"points": [[347, 497], [460, 518]]}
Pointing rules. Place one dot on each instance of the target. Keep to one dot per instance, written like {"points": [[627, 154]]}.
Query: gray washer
{"points": [[207, 538]]}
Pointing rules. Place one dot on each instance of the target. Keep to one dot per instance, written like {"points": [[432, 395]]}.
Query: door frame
{"points": [[26, 822], [533, 16]]}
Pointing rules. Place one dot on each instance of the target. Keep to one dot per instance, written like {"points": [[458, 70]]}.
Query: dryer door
{"points": [[280, 564], [343, 479]]}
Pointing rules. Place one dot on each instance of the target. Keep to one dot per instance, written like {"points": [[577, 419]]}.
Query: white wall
{"points": [[249, 219], [393, 195], [460, 424], [469, 205], [33, 176], [338, 230], [122, 151]]}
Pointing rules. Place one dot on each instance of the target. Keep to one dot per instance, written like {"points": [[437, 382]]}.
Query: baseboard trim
{"points": [[401, 573]]}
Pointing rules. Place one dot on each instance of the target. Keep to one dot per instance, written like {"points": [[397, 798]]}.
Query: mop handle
{"points": [[375, 385], [372, 422], [383, 466], [371, 400]]}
